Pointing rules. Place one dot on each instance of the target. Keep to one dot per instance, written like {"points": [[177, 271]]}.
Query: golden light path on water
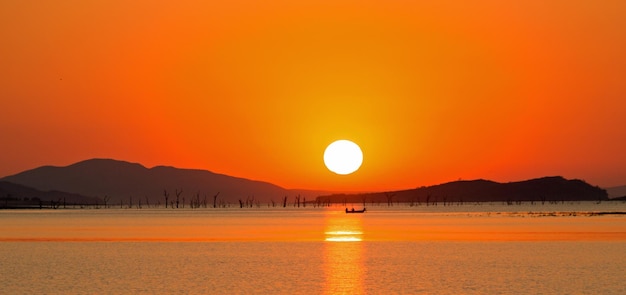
{"points": [[343, 236], [342, 227], [344, 253]]}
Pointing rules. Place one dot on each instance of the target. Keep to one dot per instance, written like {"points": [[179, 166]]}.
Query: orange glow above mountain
{"points": [[431, 91]]}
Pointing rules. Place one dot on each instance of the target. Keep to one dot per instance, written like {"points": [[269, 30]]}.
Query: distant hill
{"points": [[616, 192], [545, 189], [119, 181], [18, 196]]}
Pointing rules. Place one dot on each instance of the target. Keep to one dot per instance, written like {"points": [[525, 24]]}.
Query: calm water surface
{"points": [[466, 249]]}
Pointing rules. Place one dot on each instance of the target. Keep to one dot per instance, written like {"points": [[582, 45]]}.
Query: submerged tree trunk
{"points": [[215, 200]]}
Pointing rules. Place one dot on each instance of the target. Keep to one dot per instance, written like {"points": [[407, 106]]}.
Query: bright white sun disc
{"points": [[343, 157]]}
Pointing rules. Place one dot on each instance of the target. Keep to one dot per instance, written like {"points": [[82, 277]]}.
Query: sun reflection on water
{"points": [[341, 227], [344, 266], [343, 236]]}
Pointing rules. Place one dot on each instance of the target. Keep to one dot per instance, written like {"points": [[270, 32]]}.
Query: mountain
{"points": [[119, 181], [18, 196], [616, 191], [547, 189]]}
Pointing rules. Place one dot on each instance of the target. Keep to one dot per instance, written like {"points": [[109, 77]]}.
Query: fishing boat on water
{"points": [[355, 211]]}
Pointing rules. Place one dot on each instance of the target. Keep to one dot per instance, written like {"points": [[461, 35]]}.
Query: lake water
{"points": [[459, 249]]}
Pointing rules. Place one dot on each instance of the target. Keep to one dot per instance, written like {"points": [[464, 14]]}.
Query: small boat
{"points": [[355, 211]]}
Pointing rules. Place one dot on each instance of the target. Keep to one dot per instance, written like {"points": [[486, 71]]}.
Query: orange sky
{"points": [[433, 92]]}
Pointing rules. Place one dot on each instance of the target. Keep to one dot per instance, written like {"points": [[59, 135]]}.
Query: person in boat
{"points": [[352, 209]]}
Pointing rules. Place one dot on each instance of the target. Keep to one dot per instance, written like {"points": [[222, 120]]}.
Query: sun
{"points": [[343, 157]]}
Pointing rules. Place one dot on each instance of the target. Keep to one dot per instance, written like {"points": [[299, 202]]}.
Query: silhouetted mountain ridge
{"points": [[546, 189], [617, 192], [122, 180], [14, 195]]}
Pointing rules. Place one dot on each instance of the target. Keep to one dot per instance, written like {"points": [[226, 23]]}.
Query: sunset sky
{"points": [[432, 91]]}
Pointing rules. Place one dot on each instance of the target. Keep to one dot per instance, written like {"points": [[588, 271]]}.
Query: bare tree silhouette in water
{"points": [[106, 200], [389, 199], [177, 192], [215, 200]]}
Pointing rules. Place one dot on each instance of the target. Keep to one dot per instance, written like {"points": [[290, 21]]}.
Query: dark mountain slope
{"points": [[14, 195], [121, 180], [541, 190]]}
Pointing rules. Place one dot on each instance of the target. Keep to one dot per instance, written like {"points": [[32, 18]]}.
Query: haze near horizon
{"points": [[431, 92]]}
